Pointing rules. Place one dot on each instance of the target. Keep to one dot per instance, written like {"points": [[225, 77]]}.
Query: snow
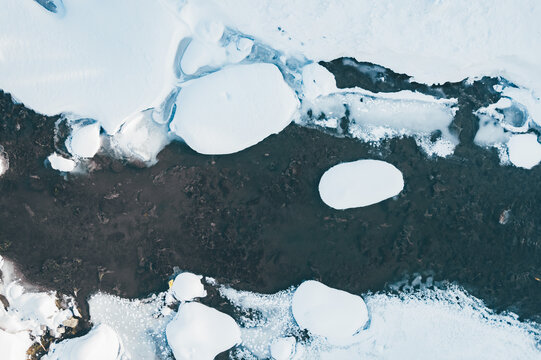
{"points": [[60, 163], [188, 286], [100, 343], [234, 108], [451, 323], [84, 140], [359, 183], [200, 332], [317, 81], [331, 313], [4, 161], [14, 346], [57, 65], [283, 348], [524, 150]]}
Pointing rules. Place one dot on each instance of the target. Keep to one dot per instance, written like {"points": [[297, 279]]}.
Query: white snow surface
{"points": [[84, 140], [359, 183], [4, 161], [234, 108], [331, 313], [199, 332], [14, 346], [102, 61], [60, 163], [100, 343], [187, 286], [451, 323], [524, 150], [283, 348], [433, 41]]}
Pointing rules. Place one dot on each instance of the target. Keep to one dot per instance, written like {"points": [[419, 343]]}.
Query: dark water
{"points": [[255, 219]]}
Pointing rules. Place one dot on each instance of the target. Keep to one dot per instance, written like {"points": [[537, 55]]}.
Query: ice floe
{"points": [[233, 109], [84, 140], [4, 161], [524, 150], [331, 313], [283, 348], [188, 286], [100, 343], [201, 332], [61, 163], [360, 183]]}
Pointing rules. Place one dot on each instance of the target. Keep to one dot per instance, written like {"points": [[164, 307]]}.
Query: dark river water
{"points": [[255, 219]]}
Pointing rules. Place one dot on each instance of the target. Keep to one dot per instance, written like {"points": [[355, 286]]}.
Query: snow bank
{"points": [[188, 286], [451, 323], [200, 332], [57, 65], [4, 161], [233, 109], [331, 313], [359, 183], [524, 150], [375, 117], [100, 343], [14, 346], [60, 163]]}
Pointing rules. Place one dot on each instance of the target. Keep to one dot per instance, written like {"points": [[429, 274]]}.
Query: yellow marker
{"points": [[170, 283], [538, 279]]}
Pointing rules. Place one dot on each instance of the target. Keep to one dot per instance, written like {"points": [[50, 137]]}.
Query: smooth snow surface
{"points": [[283, 348], [234, 108], [317, 81], [69, 64], [14, 346], [199, 332], [188, 286], [359, 183], [331, 313], [60, 163], [100, 343], [84, 141], [524, 150]]}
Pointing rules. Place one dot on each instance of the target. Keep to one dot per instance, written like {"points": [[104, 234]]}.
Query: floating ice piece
{"points": [[331, 313], [60, 163], [140, 138], [317, 81], [234, 108], [100, 343], [524, 150], [199, 332], [188, 286], [283, 348], [4, 161], [84, 140], [55, 64], [359, 183], [14, 346]]}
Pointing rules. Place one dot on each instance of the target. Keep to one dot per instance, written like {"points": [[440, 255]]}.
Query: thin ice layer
{"points": [[68, 64]]}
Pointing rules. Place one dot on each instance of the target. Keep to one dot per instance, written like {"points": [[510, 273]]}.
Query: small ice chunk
{"points": [[331, 313], [524, 150], [188, 286], [100, 343], [317, 81], [359, 183], [141, 138], [14, 346], [199, 332], [234, 108], [283, 348], [84, 141], [4, 161], [61, 163]]}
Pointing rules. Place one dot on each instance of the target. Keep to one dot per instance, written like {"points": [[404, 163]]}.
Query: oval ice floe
{"points": [[360, 183], [524, 150]]}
